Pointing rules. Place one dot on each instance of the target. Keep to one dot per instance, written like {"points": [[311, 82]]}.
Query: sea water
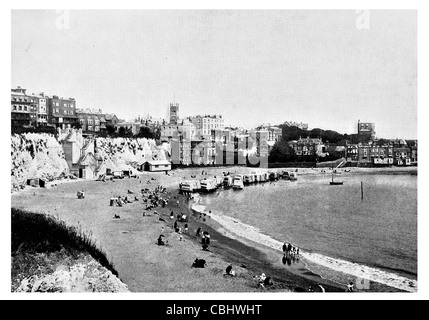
{"points": [[342, 237]]}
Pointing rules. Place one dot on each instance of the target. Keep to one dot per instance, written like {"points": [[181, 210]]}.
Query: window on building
{"points": [[25, 108], [90, 128], [14, 107]]}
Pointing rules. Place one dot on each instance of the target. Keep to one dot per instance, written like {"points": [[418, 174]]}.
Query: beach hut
{"points": [[127, 170], [87, 166], [157, 165], [42, 183], [33, 182]]}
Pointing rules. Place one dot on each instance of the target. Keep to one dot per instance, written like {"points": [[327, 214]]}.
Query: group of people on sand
{"points": [[205, 238], [290, 254], [152, 199], [289, 249]]}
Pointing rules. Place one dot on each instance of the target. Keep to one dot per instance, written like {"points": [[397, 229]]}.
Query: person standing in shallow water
{"points": [[284, 247]]}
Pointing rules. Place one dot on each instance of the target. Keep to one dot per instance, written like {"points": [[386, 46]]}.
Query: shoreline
{"points": [[310, 274], [249, 259]]}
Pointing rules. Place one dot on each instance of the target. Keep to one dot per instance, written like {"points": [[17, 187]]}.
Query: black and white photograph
{"points": [[213, 151]]}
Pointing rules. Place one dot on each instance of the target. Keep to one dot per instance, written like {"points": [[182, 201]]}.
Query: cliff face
{"points": [[36, 156], [41, 155], [125, 150]]}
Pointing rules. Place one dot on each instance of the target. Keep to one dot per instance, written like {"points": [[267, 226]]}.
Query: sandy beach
{"points": [[130, 242]]}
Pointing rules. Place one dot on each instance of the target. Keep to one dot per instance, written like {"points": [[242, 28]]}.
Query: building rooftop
{"points": [[158, 162]]}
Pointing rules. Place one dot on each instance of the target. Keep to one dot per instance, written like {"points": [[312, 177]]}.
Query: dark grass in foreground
{"points": [[34, 234]]}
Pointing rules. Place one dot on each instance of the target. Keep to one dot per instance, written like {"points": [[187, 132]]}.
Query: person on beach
{"points": [[284, 247], [198, 232], [350, 287], [172, 215], [262, 278], [160, 241], [186, 228], [229, 271]]}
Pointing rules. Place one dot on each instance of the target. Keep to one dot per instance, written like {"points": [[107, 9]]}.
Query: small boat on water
{"points": [[335, 183]]}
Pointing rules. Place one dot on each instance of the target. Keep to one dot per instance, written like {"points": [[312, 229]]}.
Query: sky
{"points": [[327, 68]]}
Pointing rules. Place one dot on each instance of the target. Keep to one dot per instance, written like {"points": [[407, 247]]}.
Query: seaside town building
{"points": [[133, 126], [206, 123], [62, 112], [111, 119], [414, 154], [174, 113], [259, 142], [352, 152], [42, 115], [91, 119], [24, 108], [402, 156], [275, 134], [308, 146], [396, 153], [366, 130], [300, 125], [151, 121]]}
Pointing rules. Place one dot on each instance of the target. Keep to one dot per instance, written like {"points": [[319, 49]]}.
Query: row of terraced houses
{"points": [[41, 110]]}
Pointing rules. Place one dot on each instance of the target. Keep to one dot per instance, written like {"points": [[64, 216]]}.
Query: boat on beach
{"points": [[219, 181], [190, 186], [227, 182], [293, 176], [248, 179], [208, 184], [285, 175], [273, 176], [238, 183]]}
